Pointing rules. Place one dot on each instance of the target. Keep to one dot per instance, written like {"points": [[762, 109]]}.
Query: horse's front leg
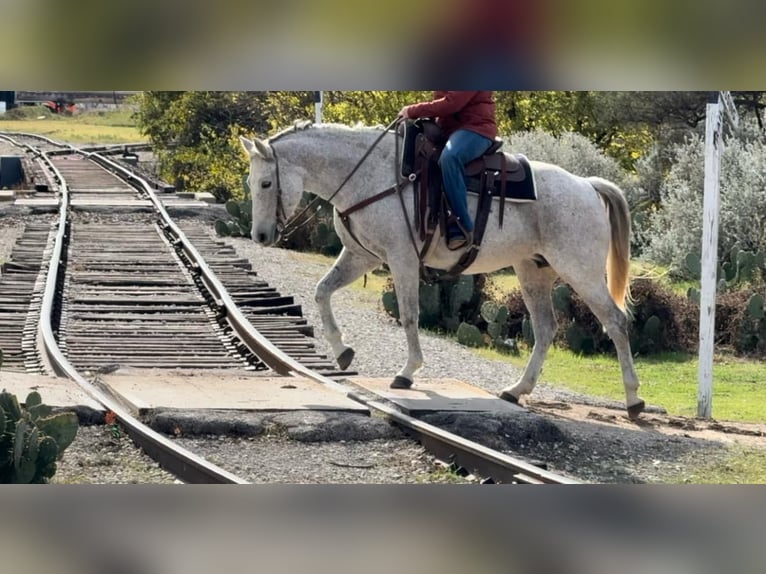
{"points": [[406, 275], [348, 267]]}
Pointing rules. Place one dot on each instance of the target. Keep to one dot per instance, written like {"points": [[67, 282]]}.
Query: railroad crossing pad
{"points": [[87, 202], [55, 392], [211, 390], [437, 395], [37, 201]]}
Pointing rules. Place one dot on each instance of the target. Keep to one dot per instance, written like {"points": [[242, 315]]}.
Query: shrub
{"points": [[573, 152], [675, 230], [662, 321]]}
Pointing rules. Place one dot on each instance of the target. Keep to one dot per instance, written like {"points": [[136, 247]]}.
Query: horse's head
{"points": [[274, 194]]}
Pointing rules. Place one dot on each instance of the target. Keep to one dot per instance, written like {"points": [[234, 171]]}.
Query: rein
{"points": [[293, 225]]}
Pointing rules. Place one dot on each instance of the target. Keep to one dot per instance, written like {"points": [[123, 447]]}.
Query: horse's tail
{"points": [[618, 260]]}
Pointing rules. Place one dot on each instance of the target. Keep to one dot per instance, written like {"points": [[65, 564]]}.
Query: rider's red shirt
{"points": [[473, 111]]}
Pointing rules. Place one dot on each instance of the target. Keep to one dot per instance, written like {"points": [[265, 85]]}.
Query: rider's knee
{"points": [[447, 157]]}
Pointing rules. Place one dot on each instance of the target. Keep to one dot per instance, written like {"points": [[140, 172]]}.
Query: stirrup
{"points": [[460, 242]]}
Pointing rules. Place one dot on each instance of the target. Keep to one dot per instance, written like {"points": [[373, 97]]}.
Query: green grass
{"points": [[103, 127], [742, 465], [668, 380]]}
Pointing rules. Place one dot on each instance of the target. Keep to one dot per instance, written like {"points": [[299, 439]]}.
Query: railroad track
{"points": [[145, 294]]}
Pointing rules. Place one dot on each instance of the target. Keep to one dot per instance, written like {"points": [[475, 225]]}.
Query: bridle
{"points": [[287, 227], [282, 220]]}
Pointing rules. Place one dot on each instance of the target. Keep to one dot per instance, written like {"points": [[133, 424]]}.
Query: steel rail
{"points": [[184, 464], [466, 453], [446, 445]]}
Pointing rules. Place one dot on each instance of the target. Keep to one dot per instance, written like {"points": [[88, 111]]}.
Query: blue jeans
{"points": [[462, 147]]}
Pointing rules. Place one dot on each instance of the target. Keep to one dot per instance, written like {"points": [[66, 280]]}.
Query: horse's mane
{"points": [[298, 125], [301, 125]]}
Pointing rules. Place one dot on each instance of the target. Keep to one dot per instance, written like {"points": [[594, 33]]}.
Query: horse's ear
{"points": [[247, 144], [263, 149], [256, 147]]}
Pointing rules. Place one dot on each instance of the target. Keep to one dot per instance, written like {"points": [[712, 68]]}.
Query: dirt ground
{"points": [[657, 447]]}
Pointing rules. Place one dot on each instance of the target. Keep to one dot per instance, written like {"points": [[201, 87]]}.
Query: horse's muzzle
{"points": [[266, 236]]}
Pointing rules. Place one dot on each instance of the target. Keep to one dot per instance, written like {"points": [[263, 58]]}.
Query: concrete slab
{"points": [[37, 202], [109, 202], [220, 391], [185, 203], [205, 197], [56, 392], [437, 395]]}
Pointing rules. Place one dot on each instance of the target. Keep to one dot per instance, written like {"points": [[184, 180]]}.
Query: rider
{"points": [[468, 121]]}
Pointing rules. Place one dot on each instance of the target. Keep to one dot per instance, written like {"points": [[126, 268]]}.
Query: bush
{"points": [[573, 152], [662, 321], [675, 230]]}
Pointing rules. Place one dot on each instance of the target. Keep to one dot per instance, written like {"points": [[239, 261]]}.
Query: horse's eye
{"points": [[265, 184]]}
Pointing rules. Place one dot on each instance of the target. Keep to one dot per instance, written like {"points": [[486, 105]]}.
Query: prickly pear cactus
{"points": [[241, 219], [650, 338], [562, 298], [461, 293], [527, 332], [693, 264], [430, 304], [496, 316], [579, 340], [31, 439], [469, 335], [693, 295], [222, 228], [390, 304], [755, 307]]}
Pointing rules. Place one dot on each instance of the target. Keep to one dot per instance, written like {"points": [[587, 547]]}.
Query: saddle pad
{"points": [[519, 184]]}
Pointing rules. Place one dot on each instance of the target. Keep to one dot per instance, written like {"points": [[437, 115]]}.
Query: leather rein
{"points": [[288, 227]]}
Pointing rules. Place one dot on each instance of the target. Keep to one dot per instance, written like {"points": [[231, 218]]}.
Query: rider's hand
{"points": [[403, 113]]}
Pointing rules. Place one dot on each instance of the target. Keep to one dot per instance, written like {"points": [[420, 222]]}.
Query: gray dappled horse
{"points": [[579, 226]]}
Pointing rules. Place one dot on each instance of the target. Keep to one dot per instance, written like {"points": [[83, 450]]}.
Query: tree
{"points": [[194, 135]]}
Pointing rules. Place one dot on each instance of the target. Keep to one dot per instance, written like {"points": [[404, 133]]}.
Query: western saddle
{"points": [[488, 176]]}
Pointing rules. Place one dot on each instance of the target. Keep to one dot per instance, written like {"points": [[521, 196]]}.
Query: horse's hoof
{"points": [[506, 396], [401, 383], [635, 410], [345, 358]]}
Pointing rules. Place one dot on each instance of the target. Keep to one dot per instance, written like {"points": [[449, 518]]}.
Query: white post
{"points": [[317, 107], [713, 148]]}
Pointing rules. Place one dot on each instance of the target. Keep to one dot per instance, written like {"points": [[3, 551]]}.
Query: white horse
{"points": [[579, 226]]}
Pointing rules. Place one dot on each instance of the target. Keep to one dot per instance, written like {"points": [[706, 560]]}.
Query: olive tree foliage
{"points": [[625, 125], [195, 136], [346, 107], [673, 231]]}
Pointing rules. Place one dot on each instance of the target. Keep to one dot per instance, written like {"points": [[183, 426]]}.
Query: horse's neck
{"points": [[328, 158]]}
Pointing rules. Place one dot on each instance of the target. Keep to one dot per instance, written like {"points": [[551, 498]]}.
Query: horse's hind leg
{"points": [[348, 267], [536, 285], [594, 292]]}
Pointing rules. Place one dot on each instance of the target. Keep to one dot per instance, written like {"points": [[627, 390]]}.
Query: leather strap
{"points": [[502, 189], [370, 200]]}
